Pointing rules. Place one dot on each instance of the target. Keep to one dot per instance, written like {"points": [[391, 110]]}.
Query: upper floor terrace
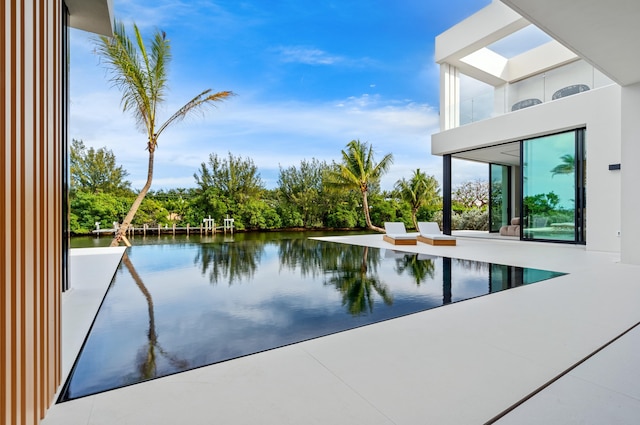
{"points": [[479, 101], [496, 62]]}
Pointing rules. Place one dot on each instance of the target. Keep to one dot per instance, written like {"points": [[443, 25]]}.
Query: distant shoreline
{"points": [[198, 230]]}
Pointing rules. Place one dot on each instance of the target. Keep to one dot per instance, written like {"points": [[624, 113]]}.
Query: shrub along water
{"points": [[304, 198]]}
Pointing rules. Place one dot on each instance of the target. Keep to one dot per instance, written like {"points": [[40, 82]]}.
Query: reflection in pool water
{"points": [[175, 307]]}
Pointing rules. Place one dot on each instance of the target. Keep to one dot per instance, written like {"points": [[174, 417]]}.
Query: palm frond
{"points": [[383, 166], [160, 58], [123, 64], [195, 105], [149, 84]]}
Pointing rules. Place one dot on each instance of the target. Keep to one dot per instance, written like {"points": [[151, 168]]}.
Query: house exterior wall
{"points": [[30, 207], [599, 111], [630, 172], [612, 50]]}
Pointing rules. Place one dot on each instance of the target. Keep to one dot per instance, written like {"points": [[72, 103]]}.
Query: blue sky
{"points": [[309, 77]]}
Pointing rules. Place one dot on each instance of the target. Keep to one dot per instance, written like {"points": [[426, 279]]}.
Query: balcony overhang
{"points": [[605, 34], [94, 16], [465, 46]]}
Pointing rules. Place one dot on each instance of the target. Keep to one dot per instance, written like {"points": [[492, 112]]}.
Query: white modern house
{"points": [[557, 123], [547, 94]]}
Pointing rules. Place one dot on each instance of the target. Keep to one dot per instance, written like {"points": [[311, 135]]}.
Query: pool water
{"points": [[172, 308]]}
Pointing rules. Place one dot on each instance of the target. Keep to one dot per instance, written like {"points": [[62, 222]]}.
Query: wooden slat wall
{"points": [[31, 105]]}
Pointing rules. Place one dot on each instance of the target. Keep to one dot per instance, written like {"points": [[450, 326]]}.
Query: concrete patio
{"points": [[562, 351]]}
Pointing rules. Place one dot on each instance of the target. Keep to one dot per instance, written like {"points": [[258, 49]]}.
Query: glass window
{"points": [[549, 187], [499, 196]]}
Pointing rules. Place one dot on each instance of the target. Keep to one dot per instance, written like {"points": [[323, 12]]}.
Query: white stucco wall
{"points": [[630, 173], [600, 112]]}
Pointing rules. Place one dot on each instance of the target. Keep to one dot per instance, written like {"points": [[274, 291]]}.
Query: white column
{"points": [[449, 97], [630, 174]]}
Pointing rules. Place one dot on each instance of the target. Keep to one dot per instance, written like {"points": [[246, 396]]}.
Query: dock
{"points": [[207, 227]]}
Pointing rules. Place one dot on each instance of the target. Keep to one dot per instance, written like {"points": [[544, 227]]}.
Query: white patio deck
{"points": [[465, 363]]}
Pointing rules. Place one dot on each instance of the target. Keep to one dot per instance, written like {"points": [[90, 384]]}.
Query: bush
{"points": [[382, 211], [257, 214], [88, 208], [272, 219], [152, 213], [427, 213], [289, 216], [472, 219], [342, 218]]}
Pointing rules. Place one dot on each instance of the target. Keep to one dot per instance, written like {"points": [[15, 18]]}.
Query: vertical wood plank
{"points": [[30, 201]]}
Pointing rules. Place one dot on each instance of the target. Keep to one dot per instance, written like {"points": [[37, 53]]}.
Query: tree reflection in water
{"points": [[355, 277], [474, 266], [232, 261], [420, 269], [311, 257], [146, 358], [353, 270]]}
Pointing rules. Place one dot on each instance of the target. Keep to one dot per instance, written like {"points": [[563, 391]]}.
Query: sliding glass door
{"points": [[499, 196], [553, 202]]}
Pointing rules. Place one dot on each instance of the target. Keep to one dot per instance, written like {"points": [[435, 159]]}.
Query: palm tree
{"points": [[141, 76], [358, 172], [420, 190]]}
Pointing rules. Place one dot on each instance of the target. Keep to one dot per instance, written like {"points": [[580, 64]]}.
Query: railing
{"points": [[567, 80], [477, 108]]}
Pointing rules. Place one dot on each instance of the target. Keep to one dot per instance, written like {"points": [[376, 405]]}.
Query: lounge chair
{"points": [[430, 233], [397, 234], [570, 90], [525, 104]]}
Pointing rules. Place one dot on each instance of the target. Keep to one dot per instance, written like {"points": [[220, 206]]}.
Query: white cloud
{"points": [[305, 55], [272, 134]]}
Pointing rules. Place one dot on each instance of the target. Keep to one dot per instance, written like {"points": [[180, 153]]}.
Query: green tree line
{"points": [[310, 195]]}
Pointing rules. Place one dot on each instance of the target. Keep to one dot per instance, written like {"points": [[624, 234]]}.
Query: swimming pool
{"points": [[172, 308]]}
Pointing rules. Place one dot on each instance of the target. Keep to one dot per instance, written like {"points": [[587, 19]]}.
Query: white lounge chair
{"points": [[397, 234], [430, 233]]}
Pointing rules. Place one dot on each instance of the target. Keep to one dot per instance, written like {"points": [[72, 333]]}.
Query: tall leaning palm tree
{"points": [[141, 75], [358, 171], [418, 191]]}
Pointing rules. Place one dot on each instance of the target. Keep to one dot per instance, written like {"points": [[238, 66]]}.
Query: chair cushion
{"points": [[402, 236], [439, 237], [431, 230], [395, 228], [428, 228]]}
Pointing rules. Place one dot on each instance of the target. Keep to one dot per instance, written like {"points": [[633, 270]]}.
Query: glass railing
{"points": [[567, 80], [477, 108]]}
